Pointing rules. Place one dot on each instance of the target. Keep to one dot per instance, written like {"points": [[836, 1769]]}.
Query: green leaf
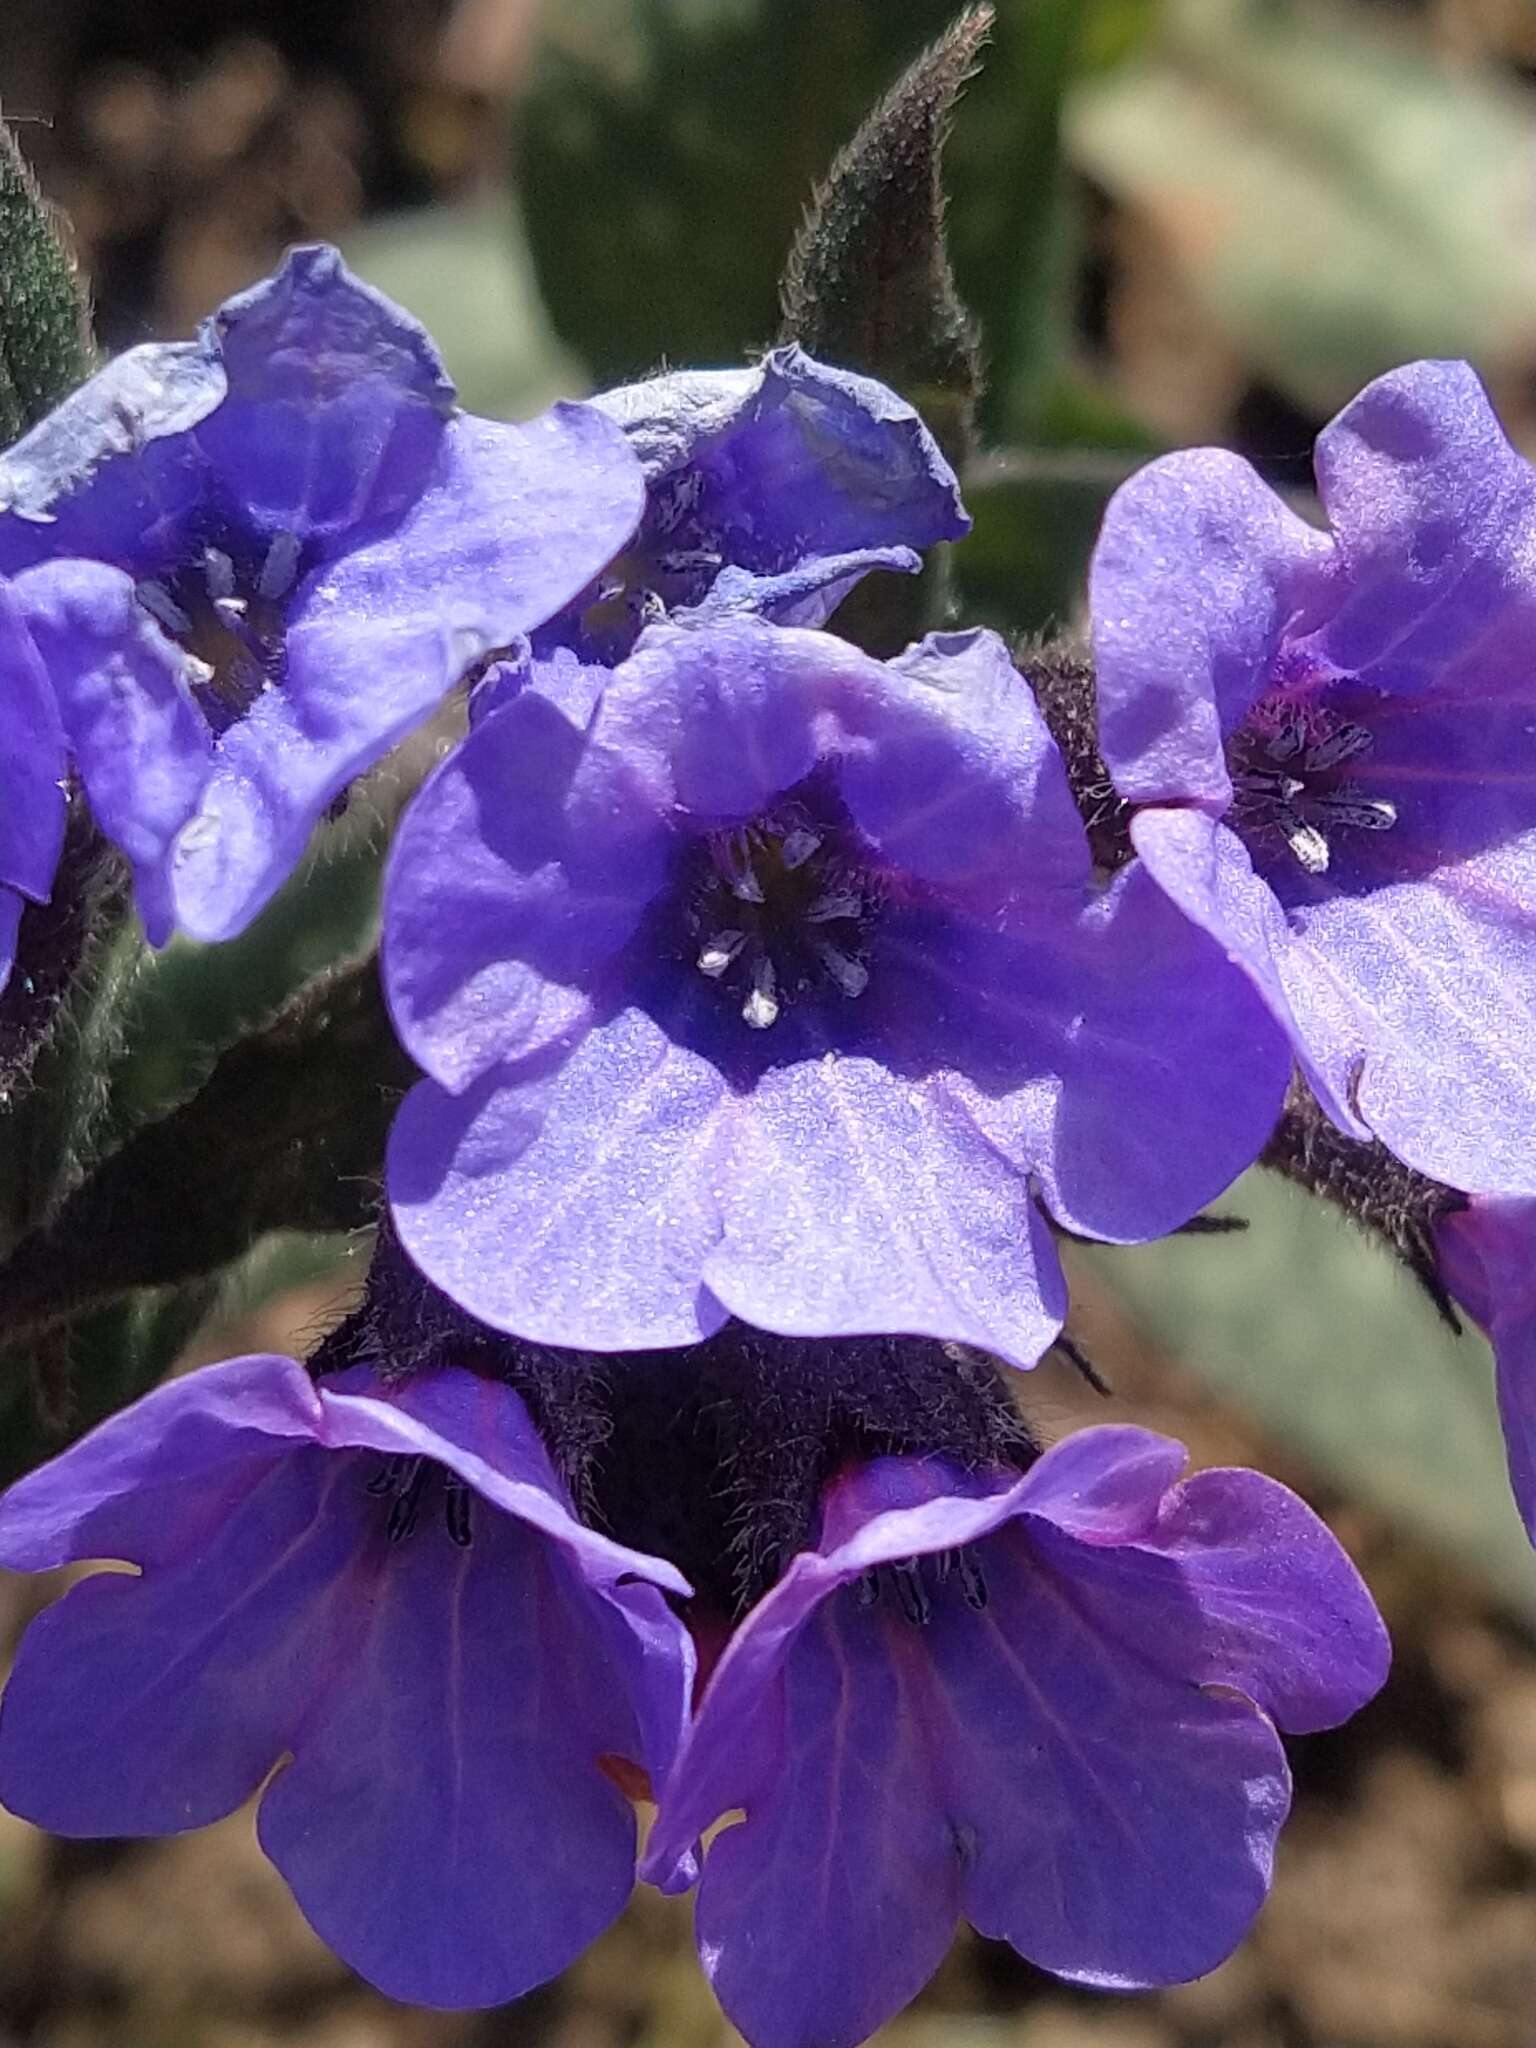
{"points": [[45, 346], [61, 1381], [1324, 1339], [287, 1132], [1337, 200]]}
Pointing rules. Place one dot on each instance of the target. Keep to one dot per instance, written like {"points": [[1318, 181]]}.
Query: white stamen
{"points": [[1306, 842], [851, 976], [839, 903], [761, 1009], [230, 612], [280, 567], [719, 951], [798, 846], [162, 607], [218, 573]]}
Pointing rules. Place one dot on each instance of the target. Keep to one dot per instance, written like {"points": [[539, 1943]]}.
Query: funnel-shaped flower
{"points": [[770, 490], [1332, 735], [378, 1603], [1045, 1705], [324, 538], [781, 987]]}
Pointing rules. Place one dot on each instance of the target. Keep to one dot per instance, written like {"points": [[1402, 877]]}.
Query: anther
{"points": [[1306, 842], [740, 875], [162, 607], [456, 1511], [761, 1009], [911, 1592], [798, 846], [851, 976], [1363, 813], [407, 1502], [718, 953], [972, 1583], [218, 573], [279, 568], [837, 904]]}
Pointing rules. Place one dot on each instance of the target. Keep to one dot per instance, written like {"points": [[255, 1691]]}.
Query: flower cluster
{"points": [[776, 1007]]}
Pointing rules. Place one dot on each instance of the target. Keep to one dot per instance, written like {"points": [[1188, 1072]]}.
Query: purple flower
{"points": [[326, 539], [771, 490], [1486, 1257], [1332, 736], [77, 626], [780, 989], [381, 1601], [1041, 1704]]}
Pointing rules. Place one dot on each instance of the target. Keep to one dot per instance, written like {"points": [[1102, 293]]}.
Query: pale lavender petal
{"points": [[572, 1204], [513, 522], [113, 470], [123, 691], [1050, 1040], [337, 401], [500, 911], [820, 1237], [807, 595], [1199, 573], [32, 764], [1208, 872], [1435, 517]]}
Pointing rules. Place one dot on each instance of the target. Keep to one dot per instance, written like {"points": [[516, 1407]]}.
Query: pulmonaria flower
{"points": [[1486, 1257], [1046, 1705], [771, 490], [781, 988], [377, 1603], [77, 626], [1331, 736], [323, 536]]}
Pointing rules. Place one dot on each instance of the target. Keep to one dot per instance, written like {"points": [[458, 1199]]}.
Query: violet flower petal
{"points": [[1182, 656], [1486, 1255], [1039, 1759], [508, 529], [336, 401], [501, 910], [1435, 516], [577, 1205], [150, 1705], [141, 748], [449, 1787], [32, 765]]}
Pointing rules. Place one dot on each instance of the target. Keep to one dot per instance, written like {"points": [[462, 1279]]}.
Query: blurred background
{"points": [[1177, 220]]}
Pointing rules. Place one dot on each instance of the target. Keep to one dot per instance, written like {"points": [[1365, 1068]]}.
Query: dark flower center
{"points": [[1293, 779], [407, 1483], [916, 1582], [783, 907], [225, 608]]}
